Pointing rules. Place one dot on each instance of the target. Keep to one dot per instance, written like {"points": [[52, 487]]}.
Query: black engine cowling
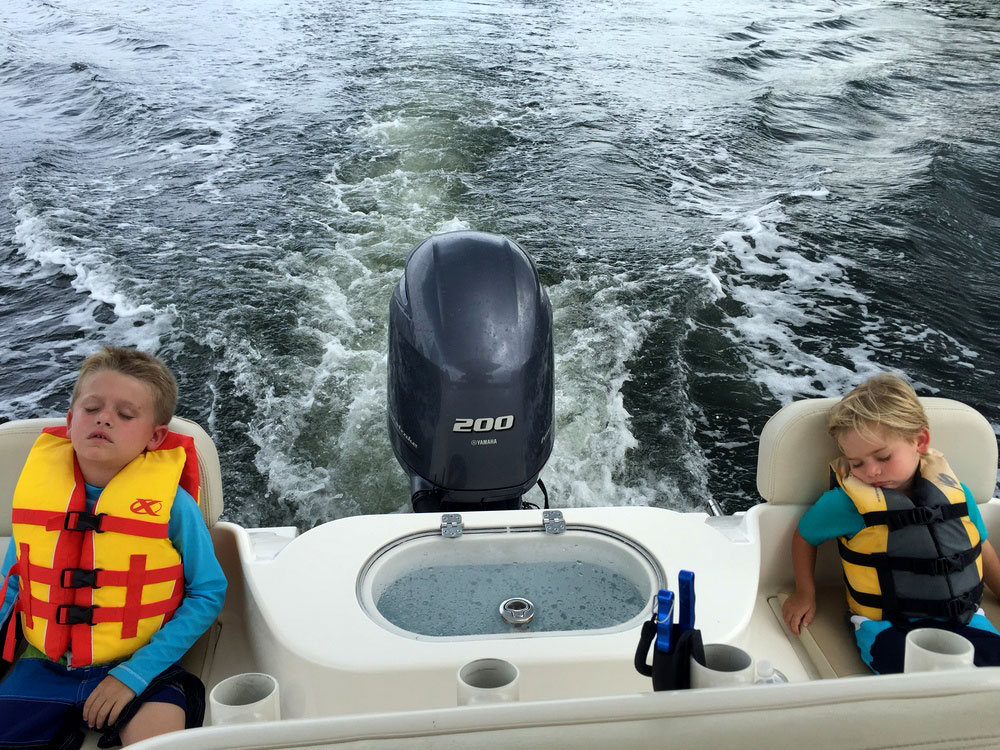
{"points": [[471, 373]]}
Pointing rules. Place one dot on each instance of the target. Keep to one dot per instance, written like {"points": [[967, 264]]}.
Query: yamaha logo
{"points": [[483, 424], [401, 431]]}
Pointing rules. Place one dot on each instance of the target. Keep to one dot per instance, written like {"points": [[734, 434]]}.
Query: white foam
{"points": [[819, 193], [385, 131], [705, 272], [454, 224], [337, 379], [138, 324], [785, 292], [595, 337], [777, 310]]}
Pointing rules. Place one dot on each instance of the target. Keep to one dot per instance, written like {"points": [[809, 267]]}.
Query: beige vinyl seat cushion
{"points": [[793, 469], [795, 449]]}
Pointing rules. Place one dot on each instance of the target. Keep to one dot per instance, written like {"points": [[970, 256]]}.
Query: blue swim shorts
{"points": [[41, 704], [882, 645]]}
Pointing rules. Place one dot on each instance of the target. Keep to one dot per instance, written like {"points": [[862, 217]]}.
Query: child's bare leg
{"points": [[152, 719]]}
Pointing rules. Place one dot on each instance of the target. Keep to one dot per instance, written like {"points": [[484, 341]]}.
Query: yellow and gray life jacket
{"points": [[916, 557], [100, 583]]}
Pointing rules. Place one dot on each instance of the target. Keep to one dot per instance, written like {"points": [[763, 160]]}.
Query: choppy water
{"points": [[732, 204]]}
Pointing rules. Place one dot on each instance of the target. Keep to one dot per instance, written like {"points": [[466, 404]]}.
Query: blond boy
{"points": [[910, 535], [112, 586]]}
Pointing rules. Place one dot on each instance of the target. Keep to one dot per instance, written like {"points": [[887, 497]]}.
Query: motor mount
{"points": [[470, 373]]}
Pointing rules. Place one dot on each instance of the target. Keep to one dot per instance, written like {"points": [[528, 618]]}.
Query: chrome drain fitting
{"points": [[517, 611]]}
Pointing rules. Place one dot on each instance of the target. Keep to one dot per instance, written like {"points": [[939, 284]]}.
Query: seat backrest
{"points": [[795, 449], [16, 439]]}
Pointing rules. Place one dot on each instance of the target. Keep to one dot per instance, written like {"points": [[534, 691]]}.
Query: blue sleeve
{"points": [[13, 585], [974, 514], [831, 516], [204, 594]]}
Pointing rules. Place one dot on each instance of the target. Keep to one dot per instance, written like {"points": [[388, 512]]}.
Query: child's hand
{"points": [[798, 610], [106, 702]]}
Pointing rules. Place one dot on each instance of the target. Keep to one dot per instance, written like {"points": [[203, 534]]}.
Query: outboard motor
{"points": [[470, 386]]}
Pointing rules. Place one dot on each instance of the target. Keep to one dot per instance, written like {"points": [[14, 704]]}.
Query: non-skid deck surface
{"points": [[829, 639]]}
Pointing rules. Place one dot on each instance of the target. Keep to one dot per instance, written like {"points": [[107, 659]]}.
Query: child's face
{"points": [[884, 459], [110, 423]]}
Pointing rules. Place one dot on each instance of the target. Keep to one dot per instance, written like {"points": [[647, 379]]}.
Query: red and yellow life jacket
{"points": [[101, 583], [917, 556]]}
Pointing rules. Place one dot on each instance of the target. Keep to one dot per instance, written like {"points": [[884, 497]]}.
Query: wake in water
{"points": [[730, 206]]}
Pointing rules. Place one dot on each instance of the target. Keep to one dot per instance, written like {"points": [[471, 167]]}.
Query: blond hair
{"points": [[884, 403], [139, 365]]}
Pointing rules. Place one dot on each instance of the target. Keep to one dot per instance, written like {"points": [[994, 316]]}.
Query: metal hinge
{"points": [[451, 525], [553, 521]]}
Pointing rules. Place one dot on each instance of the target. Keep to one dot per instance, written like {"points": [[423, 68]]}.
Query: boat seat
{"points": [[16, 439], [793, 469]]}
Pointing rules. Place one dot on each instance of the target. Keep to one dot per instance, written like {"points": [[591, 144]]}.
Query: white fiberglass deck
{"points": [[332, 657], [348, 682]]}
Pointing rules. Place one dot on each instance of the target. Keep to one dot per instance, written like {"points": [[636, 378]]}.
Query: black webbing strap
{"points": [[920, 516], [925, 566], [959, 609]]}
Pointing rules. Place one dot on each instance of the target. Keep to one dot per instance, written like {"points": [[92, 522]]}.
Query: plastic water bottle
{"points": [[768, 675]]}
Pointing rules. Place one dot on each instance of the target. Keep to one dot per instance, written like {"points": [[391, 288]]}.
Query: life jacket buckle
{"points": [[81, 521], [962, 606], [953, 564], [927, 514], [920, 516], [73, 614], [79, 578]]}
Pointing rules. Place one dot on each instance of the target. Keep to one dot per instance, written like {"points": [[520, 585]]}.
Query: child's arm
{"points": [[9, 587], [991, 569], [13, 584], [991, 565], [800, 607]]}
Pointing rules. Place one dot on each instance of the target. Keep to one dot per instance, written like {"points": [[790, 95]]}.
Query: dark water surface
{"points": [[731, 204]]}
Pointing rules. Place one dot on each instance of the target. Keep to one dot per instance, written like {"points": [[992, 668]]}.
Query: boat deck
{"points": [[381, 689]]}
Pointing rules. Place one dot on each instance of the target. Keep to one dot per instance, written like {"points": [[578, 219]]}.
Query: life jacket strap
{"points": [[73, 614], [81, 521], [923, 565], [133, 580], [922, 515], [24, 568], [78, 520], [959, 609], [78, 578]]}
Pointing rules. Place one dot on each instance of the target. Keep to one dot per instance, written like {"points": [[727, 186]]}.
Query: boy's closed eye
{"points": [[122, 413], [880, 459]]}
